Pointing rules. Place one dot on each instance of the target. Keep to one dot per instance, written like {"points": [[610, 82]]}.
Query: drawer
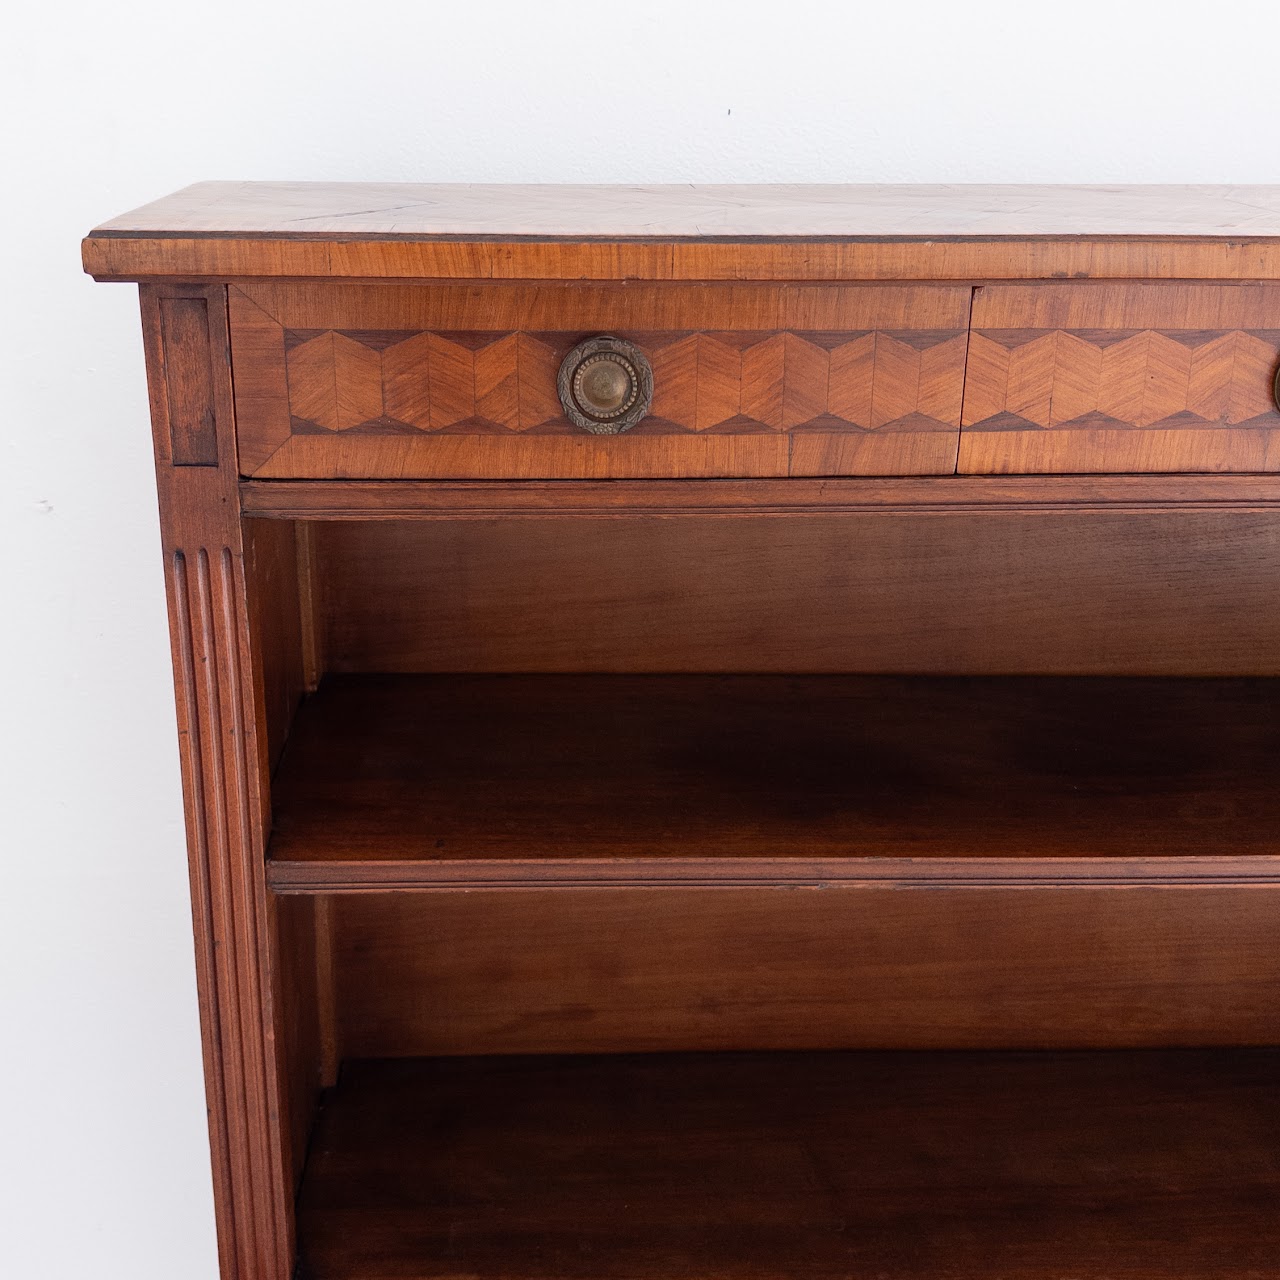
{"points": [[1102, 377], [460, 381]]}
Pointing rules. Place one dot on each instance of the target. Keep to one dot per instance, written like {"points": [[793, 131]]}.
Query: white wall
{"points": [[103, 1164]]}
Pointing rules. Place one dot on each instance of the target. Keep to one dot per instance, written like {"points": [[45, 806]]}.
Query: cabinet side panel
{"points": [[273, 566], [223, 754], [299, 1003], [272, 561]]}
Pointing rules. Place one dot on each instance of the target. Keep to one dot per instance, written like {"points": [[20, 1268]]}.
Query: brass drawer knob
{"points": [[605, 385]]}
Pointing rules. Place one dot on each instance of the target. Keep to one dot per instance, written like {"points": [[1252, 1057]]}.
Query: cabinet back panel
{"points": [[1152, 593], [636, 970]]}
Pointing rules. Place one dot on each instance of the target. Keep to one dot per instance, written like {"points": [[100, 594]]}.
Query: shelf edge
{"points": [[473, 875], [605, 499]]}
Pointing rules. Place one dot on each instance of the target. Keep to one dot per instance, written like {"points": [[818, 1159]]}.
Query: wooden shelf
{"points": [[1049, 1166], [501, 781]]}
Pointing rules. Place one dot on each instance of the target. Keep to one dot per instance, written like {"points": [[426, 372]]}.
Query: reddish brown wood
{"points": [[1150, 592], [518, 772], [274, 604], [1094, 866], [585, 456], [221, 719], [330, 1043], [371, 231], [299, 1023], [995, 495], [461, 382], [1089, 377], [898, 1166], [839, 260], [830, 966], [188, 404]]}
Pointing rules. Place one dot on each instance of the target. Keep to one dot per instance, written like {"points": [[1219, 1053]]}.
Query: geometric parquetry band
{"points": [[1019, 379], [392, 383]]}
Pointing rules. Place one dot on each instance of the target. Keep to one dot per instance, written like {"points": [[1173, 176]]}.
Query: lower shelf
{"points": [[892, 1166]]}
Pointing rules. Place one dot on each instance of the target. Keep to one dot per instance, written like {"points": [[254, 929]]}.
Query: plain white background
{"points": [[103, 1159]]}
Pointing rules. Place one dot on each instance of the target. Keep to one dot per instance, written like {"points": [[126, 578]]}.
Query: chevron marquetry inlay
{"points": [[396, 382], [1019, 378], [1094, 377], [459, 381]]}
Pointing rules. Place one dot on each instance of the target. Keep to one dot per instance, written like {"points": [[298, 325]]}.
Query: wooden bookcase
{"points": [[825, 829]]}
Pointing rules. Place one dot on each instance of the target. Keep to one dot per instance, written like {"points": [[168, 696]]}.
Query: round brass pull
{"points": [[605, 385]]}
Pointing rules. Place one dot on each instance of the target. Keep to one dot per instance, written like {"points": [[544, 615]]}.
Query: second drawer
{"points": [[1085, 377]]}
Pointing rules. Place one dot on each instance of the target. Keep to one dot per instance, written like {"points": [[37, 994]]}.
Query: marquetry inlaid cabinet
{"points": [[727, 732]]}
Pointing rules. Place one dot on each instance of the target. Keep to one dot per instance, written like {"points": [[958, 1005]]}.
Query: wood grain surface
{"points": [[902, 1167], [460, 382], [345, 500], [440, 771], [299, 1024], [1138, 593], [829, 966], [224, 736], [371, 231], [702, 211], [275, 611], [479, 847], [1088, 377]]}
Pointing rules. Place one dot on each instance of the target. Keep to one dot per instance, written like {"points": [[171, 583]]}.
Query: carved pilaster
{"points": [[222, 767]]}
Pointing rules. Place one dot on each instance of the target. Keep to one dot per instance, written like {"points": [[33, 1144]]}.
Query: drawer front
{"points": [[459, 382], [1101, 377]]}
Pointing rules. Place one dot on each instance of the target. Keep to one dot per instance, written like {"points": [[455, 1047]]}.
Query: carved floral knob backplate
{"points": [[605, 385]]}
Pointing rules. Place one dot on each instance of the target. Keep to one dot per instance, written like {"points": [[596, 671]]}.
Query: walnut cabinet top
{"points": [[246, 230]]}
